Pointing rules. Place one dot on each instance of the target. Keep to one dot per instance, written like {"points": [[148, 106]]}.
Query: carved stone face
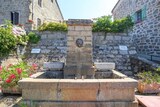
{"points": [[79, 42]]}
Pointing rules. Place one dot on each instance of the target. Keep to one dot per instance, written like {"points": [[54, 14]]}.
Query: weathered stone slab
{"points": [[104, 66], [78, 90], [39, 89], [53, 65]]}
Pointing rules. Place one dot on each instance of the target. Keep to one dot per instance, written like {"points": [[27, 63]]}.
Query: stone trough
{"points": [[116, 91], [79, 82]]}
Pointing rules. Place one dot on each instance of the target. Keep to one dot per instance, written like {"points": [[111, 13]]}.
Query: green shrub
{"points": [[53, 26], [149, 77], [33, 38], [8, 41], [10, 37]]}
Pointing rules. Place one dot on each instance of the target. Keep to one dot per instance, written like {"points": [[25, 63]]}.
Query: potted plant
{"points": [[149, 82], [11, 74]]}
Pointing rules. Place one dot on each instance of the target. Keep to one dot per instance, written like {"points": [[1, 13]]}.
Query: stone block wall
{"points": [[53, 47], [106, 49], [146, 34]]}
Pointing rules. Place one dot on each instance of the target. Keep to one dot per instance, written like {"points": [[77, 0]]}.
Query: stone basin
{"points": [[117, 92]]}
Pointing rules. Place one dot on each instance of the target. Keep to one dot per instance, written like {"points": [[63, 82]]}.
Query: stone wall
{"points": [[20, 6], [146, 34], [53, 47], [105, 49], [30, 10], [139, 64]]}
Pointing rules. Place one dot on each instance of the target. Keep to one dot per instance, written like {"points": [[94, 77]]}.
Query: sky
{"points": [[85, 9]]}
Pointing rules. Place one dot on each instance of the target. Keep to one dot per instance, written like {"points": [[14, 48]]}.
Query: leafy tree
{"points": [[105, 24]]}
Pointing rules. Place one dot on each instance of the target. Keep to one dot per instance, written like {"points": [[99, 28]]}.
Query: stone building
{"points": [[30, 13], [146, 16]]}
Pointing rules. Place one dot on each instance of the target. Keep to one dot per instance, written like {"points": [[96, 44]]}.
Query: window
{"points": [[40, 3], [14, 18], [38, 22], [139, 16]]}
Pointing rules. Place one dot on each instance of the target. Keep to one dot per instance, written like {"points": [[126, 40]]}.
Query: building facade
{"points": [[146, 16], [30, 13]]}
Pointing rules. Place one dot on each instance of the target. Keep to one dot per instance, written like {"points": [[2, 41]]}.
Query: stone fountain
{"points": [[81, 82], [79, 54]]}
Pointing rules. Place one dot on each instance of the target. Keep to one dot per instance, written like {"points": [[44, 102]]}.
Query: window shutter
{"points": [[134, 17], [144, 12]]}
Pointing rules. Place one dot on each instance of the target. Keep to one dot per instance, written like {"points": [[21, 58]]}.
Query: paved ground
{"points": [[149, 101]]}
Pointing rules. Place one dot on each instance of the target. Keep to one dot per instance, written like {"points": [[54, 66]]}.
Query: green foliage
{"points": [[8, 41], [53, 26], [105, 24], [33, 38], [22, 40], [149, 77], [11, 74], [10, 37]]}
